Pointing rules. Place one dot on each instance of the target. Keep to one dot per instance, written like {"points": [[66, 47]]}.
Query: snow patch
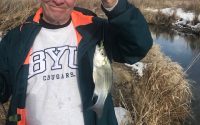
{"points": [[181, 22], [123, 116], [196, 26], [168, 11], [138, 67], [184, 20], [188, 16]]}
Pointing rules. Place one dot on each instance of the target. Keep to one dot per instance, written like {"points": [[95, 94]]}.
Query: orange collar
{"points": [[78, 19]]}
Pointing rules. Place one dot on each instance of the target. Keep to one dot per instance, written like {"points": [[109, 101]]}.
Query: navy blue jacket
{"points": [[126, 39]]}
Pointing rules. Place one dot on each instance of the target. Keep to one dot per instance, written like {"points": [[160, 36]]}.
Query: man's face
{"points": [[57, 11]]}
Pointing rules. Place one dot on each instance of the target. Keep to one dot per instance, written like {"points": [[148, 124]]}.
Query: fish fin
{"points": [[98, 106]]}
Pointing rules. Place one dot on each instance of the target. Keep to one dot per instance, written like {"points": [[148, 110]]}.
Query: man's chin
{"points": [[57, 20]]}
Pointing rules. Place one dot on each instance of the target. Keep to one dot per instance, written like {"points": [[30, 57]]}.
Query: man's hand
{"points": [[108, 3]]}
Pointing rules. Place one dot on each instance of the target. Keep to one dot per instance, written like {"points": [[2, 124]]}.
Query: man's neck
{"points": [[53, 26], [56, 22]]}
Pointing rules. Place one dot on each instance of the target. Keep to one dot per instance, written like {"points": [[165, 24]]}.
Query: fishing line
{"points": [[193, 62]]}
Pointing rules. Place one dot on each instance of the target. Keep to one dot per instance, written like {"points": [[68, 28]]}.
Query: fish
{"points": [[102, 77]]}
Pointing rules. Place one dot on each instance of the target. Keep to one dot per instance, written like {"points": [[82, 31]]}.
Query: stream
{"points": [[184, 49]]}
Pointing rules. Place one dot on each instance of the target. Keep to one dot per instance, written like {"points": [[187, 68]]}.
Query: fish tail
{"points": [[98, 106]]}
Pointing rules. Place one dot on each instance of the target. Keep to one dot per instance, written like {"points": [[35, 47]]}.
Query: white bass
{"points": [[103, 78]]}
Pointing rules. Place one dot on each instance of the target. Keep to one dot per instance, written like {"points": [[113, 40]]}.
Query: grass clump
{"points": [[161, 97], [160, 19]]}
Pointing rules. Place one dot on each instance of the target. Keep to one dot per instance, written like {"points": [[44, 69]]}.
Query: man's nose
{"points": [[58, 2]]}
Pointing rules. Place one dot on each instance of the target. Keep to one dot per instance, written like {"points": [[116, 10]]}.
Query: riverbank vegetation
{"points": [[187, 5], [160, 97], [153, 12]]}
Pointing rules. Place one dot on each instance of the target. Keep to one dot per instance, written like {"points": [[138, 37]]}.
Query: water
{"points": [[183, 49]]}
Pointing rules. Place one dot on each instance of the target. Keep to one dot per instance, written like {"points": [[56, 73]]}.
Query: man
{"points": [[46, 64]]}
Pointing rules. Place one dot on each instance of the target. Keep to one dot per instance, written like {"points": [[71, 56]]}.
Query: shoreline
{"points": [[174, 18]]}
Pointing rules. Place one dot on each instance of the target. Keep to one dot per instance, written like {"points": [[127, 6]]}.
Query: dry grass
{"points": [[2, 113], [161, 97], [14, 12], [159, 18], [189, 5]]}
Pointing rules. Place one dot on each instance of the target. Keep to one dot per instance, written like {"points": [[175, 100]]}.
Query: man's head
{"points": [[57, 11]]}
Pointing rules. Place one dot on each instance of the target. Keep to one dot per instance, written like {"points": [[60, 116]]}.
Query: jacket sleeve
{"points": [[4, 84], [127, 33]]}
